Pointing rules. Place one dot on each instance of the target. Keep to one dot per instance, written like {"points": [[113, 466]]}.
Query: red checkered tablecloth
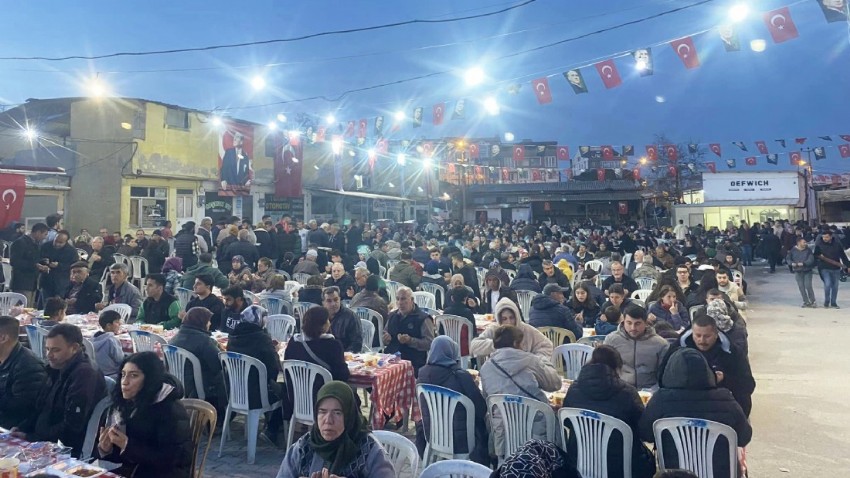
{"points": [[7, 440], [393, 391]]}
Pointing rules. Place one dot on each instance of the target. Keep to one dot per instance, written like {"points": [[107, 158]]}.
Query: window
{"points": [[176, 118], [148, 207], [270, 146], [139, 123], [550, 161], [185, 204]]}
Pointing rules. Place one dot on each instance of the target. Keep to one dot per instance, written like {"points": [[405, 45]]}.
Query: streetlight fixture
{"points": [[401, 159], [399, 115], [492, 106], [330, 119], [281, 117], [758, 45], [336, 146], [258, 82], [509, 136], [739, 12], [474, 76], [272, 125]]}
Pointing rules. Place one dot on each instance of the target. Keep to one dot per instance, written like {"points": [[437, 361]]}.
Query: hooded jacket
{"points": [[203, 268], [108, 353], [533, 341], [547, 312], [641, 356], [688, 389], [525, 280], [159, 438]]}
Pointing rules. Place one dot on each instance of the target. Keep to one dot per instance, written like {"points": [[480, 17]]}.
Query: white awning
{"points": [[359, 194], [758, 202]]}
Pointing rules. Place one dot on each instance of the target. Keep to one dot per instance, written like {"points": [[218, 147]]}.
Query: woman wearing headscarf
{"points": [[172, 269], [443, 369], [240, 273], [339, 443]]}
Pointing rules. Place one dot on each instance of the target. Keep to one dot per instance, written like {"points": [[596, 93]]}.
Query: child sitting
{"points": [[54, 312], [107, 348], [608, 321]]}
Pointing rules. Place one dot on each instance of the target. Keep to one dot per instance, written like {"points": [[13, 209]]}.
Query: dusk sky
{"points": [[798, 88]]}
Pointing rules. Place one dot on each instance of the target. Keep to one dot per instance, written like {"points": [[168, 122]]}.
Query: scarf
{"points": [[340, 453], [444, 352], [717, 310]]}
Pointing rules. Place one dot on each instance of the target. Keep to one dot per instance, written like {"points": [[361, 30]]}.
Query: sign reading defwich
{"points": [[737, 186]]}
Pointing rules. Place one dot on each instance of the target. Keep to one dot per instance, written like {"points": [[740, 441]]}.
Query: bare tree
{"points": [[675, 174]]}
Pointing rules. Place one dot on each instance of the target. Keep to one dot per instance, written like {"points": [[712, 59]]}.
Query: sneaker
{"points": [[834, 306], [813, 305], [805, 305], [826, 305]]}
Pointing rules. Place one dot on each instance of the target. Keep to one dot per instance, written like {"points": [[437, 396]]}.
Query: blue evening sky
{"points": [[797, 88]]}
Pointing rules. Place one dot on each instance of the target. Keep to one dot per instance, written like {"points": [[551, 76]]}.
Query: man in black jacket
{"points": [[186, 245], [84, 292], [59, 256], [345, 326], [25, 258], [553, 275], [22, 376], [73, 389], [548, 310], [495, 291]]}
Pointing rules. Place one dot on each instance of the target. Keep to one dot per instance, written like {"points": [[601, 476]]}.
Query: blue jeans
{"points": [[747, 250], [830, 285]]}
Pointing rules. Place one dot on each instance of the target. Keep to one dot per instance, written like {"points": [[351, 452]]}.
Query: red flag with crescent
{"points": [[715, 148], [563, 153], [762, 147], [607, 152], [541, 90], [363, 126], [652, 152], [844, 150], [438, 112], [751, 161], [608, 72], [636, 174], [382, 146], [712, 166], [535, 175], [451, 168], [600, 174], [349, 129], [320, 134], [780, 25], [519, 153], [12, 190], [373, 158], [505, 174], [687, 52], [845, 137], [474, 151], [672, 152], [428, 149], [288, 171], [795, 158], [672, 170]]}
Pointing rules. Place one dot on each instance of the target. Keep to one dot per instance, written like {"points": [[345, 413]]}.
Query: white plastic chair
{"points": [[250, 297], [299, 308], [695, 441], [367, 314], [570, 358], [641, 294], [392, 288], [425, 299], [292, 286], [511, 273], [281, 327], [391, 265], [436, 289], [453, 326], [7, 273], [283, 273], [184, 295], [301, 278], [367, 330], [93, 426], [441, 404], [143, 341], [124, 310], [176, 359], [481, 274], [402, 452], [592, 432], [627, 259], [524, 298], [639, 302], [456, 469], [237, 368], [273, 305], [692, 312], [36, 336], [90, 353], [738, 278], [517, 415], [595, 265], [556, 335], [646, 283], [300, 377], [8, 300], [139, 268]]}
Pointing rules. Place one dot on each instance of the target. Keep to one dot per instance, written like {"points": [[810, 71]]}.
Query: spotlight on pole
{"points": [[330, 119], [216, 120], [258, 82], [474, 76], [336, 145], [399, 115], [739, 12], [30, 133], [509, 136], [272, 125], [401, 159], [426, 162], [97, 88], [492, 106], [281, 117]]}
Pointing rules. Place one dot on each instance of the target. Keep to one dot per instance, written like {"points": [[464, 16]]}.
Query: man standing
{"points": [[186, 245], [73, 389], [353, 237], [25, 258], [84, 293], [22, 376], [317, 235], [205, 232], [802, 262], [345, 326], [470, 277], [731, 289], [639, 346], [159, 307], [772, 248], [121, 291], [54, 223], [681, 231], [59, 256], [830, 256], [409, 330]]}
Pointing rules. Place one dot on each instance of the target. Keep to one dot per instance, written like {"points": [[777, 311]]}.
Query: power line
{"points": [[273, 41]]}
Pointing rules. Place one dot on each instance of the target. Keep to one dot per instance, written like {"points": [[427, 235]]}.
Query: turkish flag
{"points": [[439, 111], [288, 161], [671, 170], [363, 126], [13, 187], [563, 153], [600, 174], [715, 148], [382, 146], [320, 134], [373, 158], [607, 152], [636, 174], [780, 25], [623, 207], [672, 152], [541, 90], [751, 161], [519, 153], [844, 149], [845, 137], [505, 174], [535, 175], [474, 151], [800, 140], [451, 168], [711, 166], [568, 173], [795, 158], [609, 74], [349, 129], [652, 152], [686, 50], [762, 147], [428, 148]]}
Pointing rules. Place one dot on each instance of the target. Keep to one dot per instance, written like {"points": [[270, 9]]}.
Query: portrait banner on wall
{"points": [[235, 156]]}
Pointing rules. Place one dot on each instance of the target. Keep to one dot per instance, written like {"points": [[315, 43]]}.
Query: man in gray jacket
{"points": [[404, 272], [640, 347]]}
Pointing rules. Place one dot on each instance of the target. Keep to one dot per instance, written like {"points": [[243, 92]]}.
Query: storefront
{"points": [[729, 198]]}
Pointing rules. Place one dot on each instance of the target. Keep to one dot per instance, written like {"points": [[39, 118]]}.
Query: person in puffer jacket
{"points": [[525, 280], [639, 346], [548, 310]]}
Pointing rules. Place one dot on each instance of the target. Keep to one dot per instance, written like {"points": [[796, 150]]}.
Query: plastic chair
{"points": [[365, 313], [237, 368], [592, 340], [367, 330], [556, 335], [202, 418], [511, 273], [595, 265], [391, 265], [431, 312], [402, 452], [570, 358], [738, 278], [517, 415], [383, 272], [281, 327], [524, 298], [627, 259], [90, 353], [124, 310], [143, 341], [300, 377], [441, 404], [93, 426], [639, 302], [436, 289], [273, 305], [695, 442], [646, 282], [36, 336], [592, 432], [8, 300], [301, 278], [481, 274], [292, 286], [456, 469], [392, 288], [453, 326], [250, 297], [641, 294], [184, 295], [283, 273], [425, 299], [176, 359], [692, 312], [299, 308], [139, 266]]}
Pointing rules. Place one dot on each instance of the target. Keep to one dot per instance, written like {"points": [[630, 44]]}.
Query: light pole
{"points": [[810, 189]]}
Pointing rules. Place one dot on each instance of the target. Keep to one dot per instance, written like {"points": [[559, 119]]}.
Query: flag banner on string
{"points": [[672, 152], [438, 111], [693, 148], [762, 147], [563, 153], [541, 90], [780, 25], [712, 166], [576, 81], [628, 150], [773, 158], [608, 72], [459, 111], [835, 10], [729, 37], [844, 150], [795, 157], [731, 163], [687, 52], [715, 148], [643, 61], [740, 145], [819, 152], [781, 142], [652, 152], [751, 161], [417, 116]]}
